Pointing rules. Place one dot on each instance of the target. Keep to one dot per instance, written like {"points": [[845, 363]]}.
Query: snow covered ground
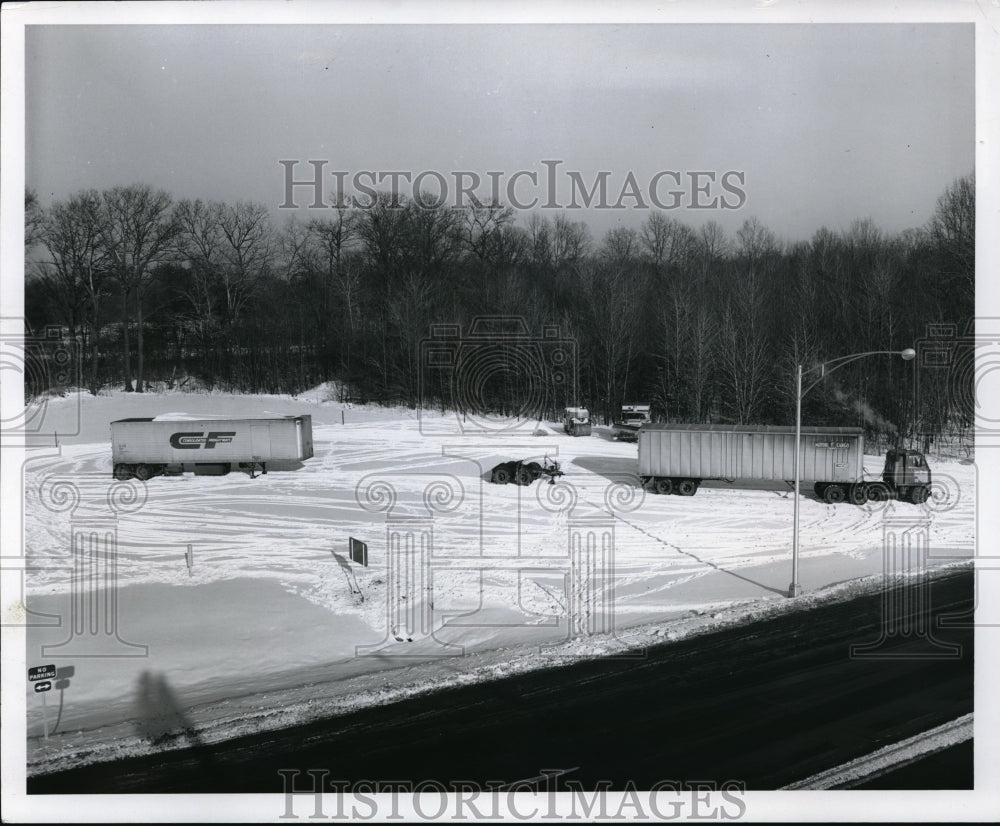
{"points": [[271, 624]]}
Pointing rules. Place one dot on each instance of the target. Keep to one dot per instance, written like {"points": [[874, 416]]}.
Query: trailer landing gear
{"points": [[252, 466]]}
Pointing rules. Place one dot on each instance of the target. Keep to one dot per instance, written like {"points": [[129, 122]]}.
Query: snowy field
{"points": [[266, 622]]}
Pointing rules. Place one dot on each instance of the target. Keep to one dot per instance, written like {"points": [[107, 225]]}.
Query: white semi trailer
{"points": [[675, 458], [147, 447]]}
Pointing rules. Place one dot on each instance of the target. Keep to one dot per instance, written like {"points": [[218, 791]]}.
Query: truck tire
{"points": [[524, 476], [123, 472], [857, 494], [664, 486], [918, 494], [143, 472], [501, 476], [878, 492], [687, 487], [834, 494]]}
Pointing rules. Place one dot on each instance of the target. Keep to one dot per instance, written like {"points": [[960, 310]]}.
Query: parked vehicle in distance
{"points": [[148, 447], [633, 416], [576, 421], [676, 458], [524, 473]]}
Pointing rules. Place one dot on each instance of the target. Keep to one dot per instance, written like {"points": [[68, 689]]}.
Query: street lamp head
{"points": [[908, 354]]}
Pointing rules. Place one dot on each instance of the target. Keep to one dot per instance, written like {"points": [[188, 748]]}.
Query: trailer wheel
{"points": [[524, 476], [918, 494], [857, 494], [834, 494], [687, 487], [664, 486], [501, 476], [143, 472], [123, 472]]}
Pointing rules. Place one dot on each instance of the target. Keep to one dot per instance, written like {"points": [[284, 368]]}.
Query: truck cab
{"points": [[907, 473], [635, 415]]}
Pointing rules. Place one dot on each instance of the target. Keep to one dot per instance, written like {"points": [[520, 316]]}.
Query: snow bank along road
{"points": [[271, 625], [762, 705]]}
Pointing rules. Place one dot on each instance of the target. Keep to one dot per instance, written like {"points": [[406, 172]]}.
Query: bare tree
{"points": [[246, 250], [331, 241], [570, 241], [667, 242], [540, 240], [685, 353], [620, 245], [744, 352], [138, 231], [953, 230], [200, 240], [483, 232], [609, 328], [34, 220], [78, 263]]}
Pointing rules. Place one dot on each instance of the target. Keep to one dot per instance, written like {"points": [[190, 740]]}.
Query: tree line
{"points": [[702, 325]]}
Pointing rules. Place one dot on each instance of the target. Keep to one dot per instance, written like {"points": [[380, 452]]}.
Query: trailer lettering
{"points": [[219, 438], [186, 441], [193, 441]]}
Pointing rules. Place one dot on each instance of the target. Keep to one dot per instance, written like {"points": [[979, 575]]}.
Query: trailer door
{"points": [[841, 465], [260, 443]]}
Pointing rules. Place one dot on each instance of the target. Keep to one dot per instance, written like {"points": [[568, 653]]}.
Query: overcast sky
{"points": [[826, 123]]}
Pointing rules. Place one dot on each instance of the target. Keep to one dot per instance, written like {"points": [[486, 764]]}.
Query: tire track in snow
{"points": [[678, 549]]}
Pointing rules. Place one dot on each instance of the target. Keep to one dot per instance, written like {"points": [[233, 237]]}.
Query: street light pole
{"points": [[908, 354], [795, 589]]}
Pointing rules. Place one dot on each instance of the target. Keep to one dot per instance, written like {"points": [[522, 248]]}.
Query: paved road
{"points": [[766, 704]]}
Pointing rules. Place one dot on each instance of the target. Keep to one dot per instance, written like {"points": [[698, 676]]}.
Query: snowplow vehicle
{"points": [[633, 416], [576, 421], [524, 473]]}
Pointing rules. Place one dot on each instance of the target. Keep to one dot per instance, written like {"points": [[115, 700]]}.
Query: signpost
{"points": [[41, 675]]}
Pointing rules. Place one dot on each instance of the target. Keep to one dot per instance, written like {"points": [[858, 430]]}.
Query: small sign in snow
{"points": [[359, 552], [41, 672], [43, 686]]}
